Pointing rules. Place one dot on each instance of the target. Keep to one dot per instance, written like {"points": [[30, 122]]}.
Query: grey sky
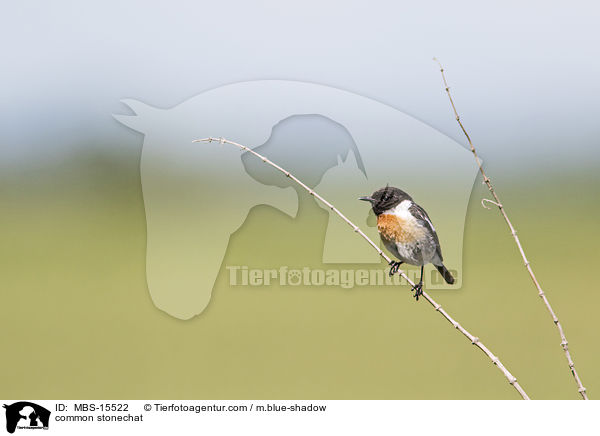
{"points": [[524, 74]]}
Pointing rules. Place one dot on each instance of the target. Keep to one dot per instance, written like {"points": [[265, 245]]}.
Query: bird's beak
{"points": [[366, 199]]}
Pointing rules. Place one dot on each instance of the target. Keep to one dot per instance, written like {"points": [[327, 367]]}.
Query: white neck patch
{"points": [[401, 209]]}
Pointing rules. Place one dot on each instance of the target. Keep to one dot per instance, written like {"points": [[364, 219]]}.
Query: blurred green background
{"points": [[76, 316], [78, 321]]}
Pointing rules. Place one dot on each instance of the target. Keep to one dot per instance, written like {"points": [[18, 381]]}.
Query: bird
{"points": [[407, 232]]}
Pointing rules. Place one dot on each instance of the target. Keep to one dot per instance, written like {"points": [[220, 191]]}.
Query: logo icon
{"points": [[26, 415]]}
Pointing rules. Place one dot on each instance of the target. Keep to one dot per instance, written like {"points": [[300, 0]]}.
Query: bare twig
{"points": [[474, 340], [502, 210]]}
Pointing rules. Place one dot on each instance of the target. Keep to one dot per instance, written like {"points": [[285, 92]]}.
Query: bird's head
{"points": [[386, 198]]}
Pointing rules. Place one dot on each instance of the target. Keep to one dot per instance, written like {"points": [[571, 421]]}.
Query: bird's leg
{"points": [[418, 288], [394, 267]]}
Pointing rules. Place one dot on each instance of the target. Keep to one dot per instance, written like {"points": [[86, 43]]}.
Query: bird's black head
{"points": [[386, 198]]}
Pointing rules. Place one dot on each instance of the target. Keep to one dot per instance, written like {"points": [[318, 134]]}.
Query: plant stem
{"points": [[564, 343], [474, 340]]}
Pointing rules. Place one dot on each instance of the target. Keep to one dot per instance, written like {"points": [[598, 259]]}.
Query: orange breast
{"points": [[394, 228]]}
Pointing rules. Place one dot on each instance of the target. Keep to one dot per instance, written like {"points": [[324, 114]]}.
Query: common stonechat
{"points": [[407, 233]]}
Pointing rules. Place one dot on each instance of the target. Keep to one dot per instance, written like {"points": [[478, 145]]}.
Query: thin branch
{"points": [[564, 343], [474, 340]]}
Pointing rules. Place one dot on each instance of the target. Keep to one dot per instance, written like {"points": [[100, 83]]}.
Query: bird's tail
{"points": [[445, 274]]}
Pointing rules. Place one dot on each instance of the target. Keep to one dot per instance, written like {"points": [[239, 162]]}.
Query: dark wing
{"points": [[419, 213]]}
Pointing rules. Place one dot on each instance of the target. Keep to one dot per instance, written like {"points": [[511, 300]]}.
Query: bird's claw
{"points": [[418, 288], [395, 266]]}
